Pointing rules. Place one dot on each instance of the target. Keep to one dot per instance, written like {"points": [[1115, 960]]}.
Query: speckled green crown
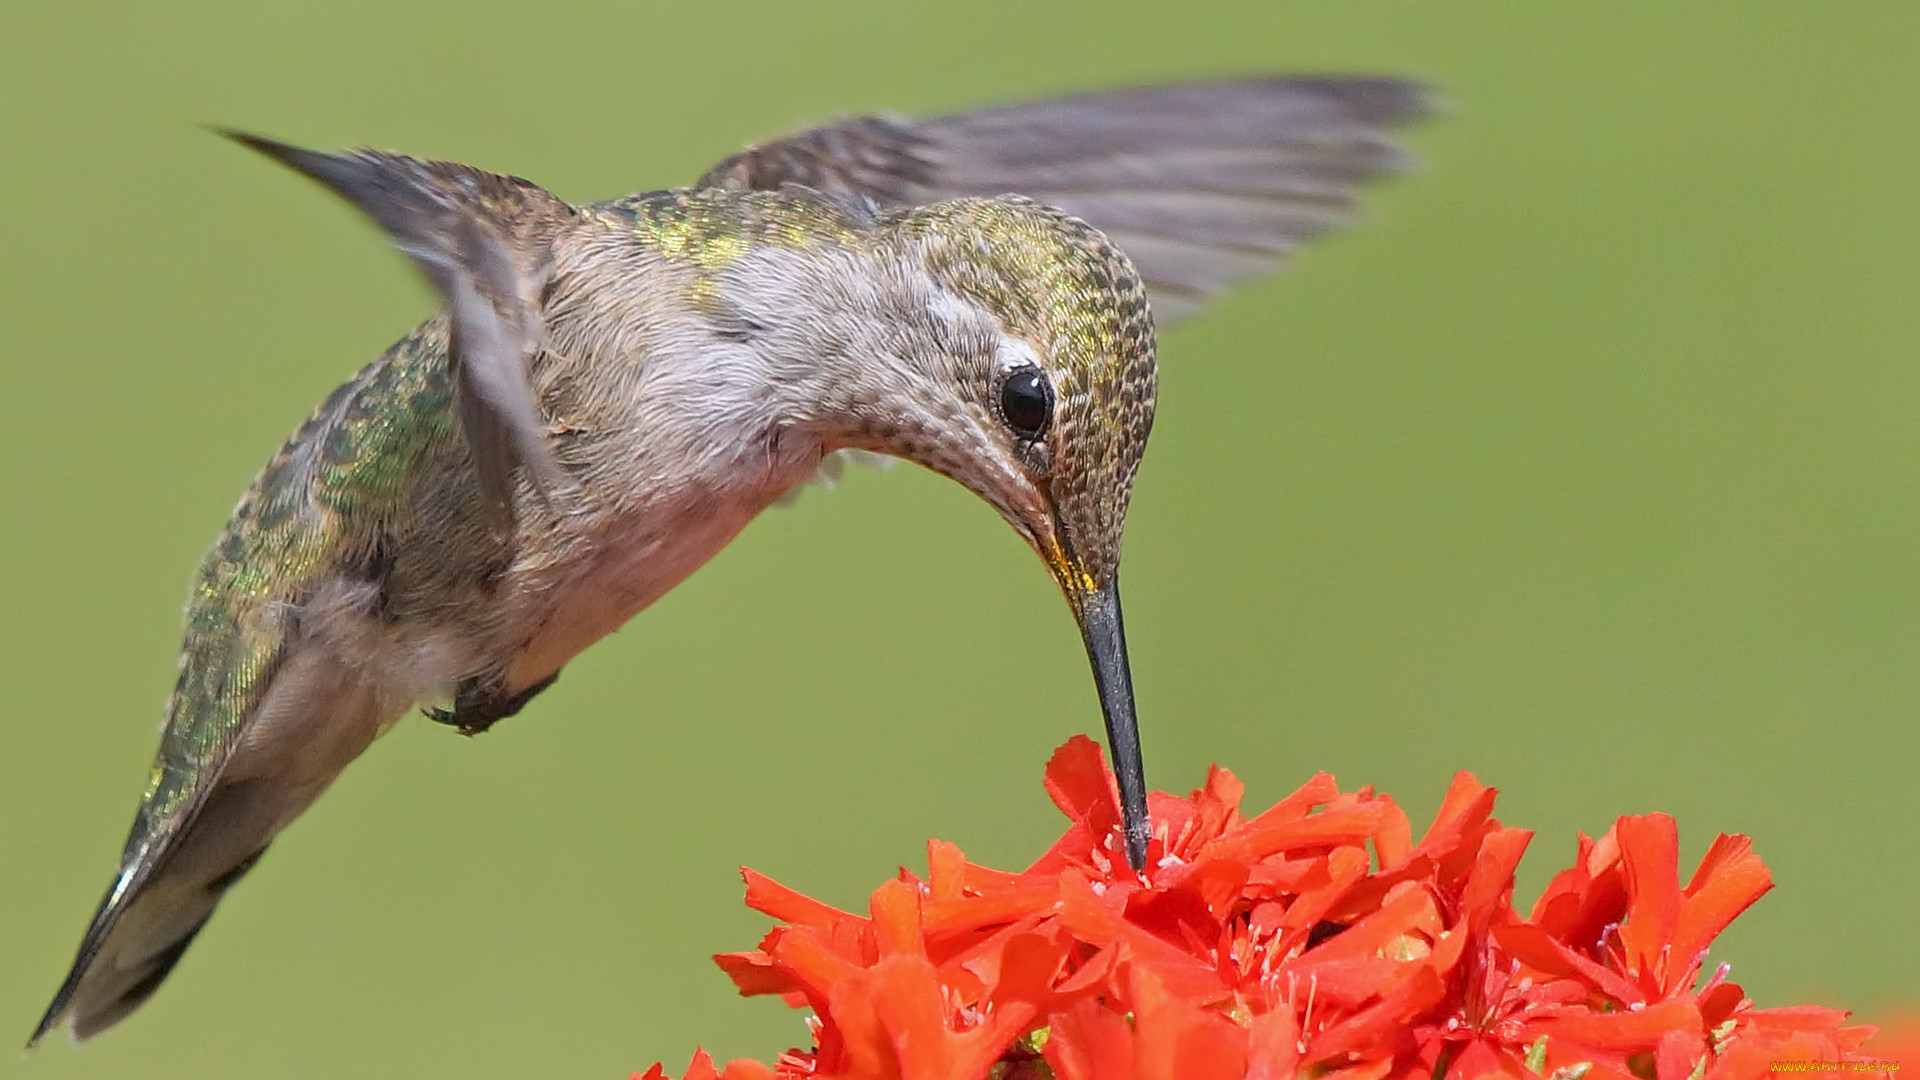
{"points": [[1048, 274]]}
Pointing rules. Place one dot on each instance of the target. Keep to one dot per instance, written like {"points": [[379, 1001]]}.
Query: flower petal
{"points": [[1650, 850], [896, 920], [1175, 1039], [769, 897], [1731, 877], [1088, 1042], [1082, 787]]}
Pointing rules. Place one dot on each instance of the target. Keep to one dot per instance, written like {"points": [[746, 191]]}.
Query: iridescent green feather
{"points": [[351, 462]]}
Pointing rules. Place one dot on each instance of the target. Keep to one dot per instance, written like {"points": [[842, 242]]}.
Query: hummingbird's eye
{"points": [[1026, 402]]}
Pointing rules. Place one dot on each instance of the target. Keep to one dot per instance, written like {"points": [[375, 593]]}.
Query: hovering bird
{"points": [[610, 392]]}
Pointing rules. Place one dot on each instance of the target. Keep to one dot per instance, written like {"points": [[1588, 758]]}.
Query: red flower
{"points": [[701, 1068], [1316, 938]]}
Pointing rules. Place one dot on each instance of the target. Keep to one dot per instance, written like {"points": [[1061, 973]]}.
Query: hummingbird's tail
{"points": [[181, 859], [146, 921]]}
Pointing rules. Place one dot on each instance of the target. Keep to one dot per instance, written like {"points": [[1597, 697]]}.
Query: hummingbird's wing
{"points": [[278, 690], [275, 694], [1202, 184], [478, 237]]}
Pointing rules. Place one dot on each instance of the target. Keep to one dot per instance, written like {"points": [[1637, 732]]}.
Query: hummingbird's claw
{"points": [[478, 705]]}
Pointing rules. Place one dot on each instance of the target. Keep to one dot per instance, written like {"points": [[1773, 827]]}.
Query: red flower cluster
{"points": [[1314, 939]]}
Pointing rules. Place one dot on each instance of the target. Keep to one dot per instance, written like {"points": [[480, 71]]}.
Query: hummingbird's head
{"points": [[1046, 362], [1049, 349]]}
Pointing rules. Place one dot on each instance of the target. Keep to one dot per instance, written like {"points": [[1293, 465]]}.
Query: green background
{"points": [[1587, 463]]}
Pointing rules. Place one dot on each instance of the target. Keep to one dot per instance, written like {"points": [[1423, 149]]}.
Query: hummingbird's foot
{"points": [[478, 705]]}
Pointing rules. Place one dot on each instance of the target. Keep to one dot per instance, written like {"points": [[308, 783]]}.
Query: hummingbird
{"points": [[610, 392]]}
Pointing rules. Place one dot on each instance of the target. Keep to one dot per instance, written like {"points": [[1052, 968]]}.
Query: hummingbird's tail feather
{"points": [[484, 240], [141, 930], [178, 864]]}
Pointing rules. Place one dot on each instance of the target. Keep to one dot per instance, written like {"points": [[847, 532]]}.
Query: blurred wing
{"points": [[1203, 184], [480, 238]]}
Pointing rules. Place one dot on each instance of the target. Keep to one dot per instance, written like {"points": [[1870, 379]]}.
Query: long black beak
{"points": [[1106, 637]]}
